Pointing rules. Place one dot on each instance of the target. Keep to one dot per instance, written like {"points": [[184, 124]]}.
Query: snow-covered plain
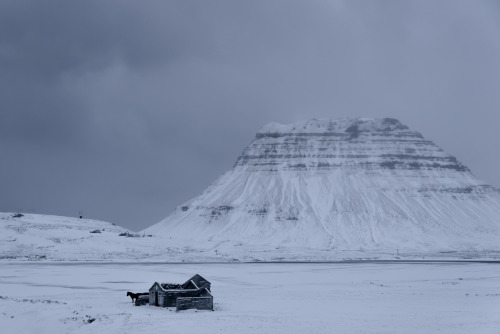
{"points": [[255, 298]]}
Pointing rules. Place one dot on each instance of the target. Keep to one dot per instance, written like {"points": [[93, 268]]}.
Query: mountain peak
{"points": [[335, 126]]}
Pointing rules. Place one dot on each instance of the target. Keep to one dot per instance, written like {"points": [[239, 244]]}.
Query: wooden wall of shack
{"points": [[155, 295], [170, 297], [199, 303]]}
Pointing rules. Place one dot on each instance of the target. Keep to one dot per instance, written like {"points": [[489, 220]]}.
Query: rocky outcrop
{"points": [[368, 144]]}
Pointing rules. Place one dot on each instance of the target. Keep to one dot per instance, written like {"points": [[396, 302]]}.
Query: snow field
{"points": [[255, 298]]}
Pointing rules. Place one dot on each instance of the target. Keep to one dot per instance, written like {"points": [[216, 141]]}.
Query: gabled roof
{"points": [[196, 282]]}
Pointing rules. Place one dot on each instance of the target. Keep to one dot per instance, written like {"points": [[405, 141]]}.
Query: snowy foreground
{"points": [[390, 297]]}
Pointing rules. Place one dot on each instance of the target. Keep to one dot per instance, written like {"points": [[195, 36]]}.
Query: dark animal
{"points": [[136, 295]]}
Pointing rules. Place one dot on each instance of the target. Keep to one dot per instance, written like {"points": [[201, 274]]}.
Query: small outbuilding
{"points": [[193, 294]]}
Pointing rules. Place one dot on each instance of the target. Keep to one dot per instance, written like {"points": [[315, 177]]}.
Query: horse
{"points": [[136, 295]]}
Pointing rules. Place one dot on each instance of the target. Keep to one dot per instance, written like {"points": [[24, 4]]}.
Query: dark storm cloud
{"points": [[126, 109], [46, 46]]}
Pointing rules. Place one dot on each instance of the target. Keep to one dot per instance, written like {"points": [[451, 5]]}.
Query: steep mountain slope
{"points": [[339, 185]]}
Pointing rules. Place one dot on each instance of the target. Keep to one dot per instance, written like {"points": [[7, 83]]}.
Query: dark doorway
{"points": [[156, 298]]}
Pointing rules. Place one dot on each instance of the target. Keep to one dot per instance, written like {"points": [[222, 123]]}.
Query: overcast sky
{"points": [[126, 109]]}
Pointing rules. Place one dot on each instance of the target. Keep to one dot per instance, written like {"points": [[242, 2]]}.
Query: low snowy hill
{"points": [[38, 237], [333, 187]]}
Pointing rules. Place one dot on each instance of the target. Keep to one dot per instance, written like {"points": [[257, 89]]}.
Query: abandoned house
{"points": [[193, 294]]}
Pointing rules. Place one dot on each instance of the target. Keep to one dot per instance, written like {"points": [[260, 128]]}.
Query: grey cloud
{"points": [[48, 39]]}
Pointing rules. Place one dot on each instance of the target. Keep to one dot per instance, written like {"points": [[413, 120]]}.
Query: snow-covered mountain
{"points": [[340, 185]]}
